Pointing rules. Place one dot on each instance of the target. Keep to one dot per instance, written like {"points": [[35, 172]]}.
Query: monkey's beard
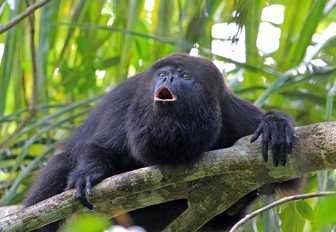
{"points": [[162, 108]]}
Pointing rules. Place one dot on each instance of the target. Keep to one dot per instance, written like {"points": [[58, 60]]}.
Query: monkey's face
{"points": [[175, 88]]}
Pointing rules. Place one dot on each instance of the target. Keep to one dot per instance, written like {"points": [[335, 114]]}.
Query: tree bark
{"points": [[220, 179]]}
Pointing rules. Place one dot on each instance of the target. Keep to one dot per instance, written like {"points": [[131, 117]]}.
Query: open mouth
{"points": [[164, 94]]}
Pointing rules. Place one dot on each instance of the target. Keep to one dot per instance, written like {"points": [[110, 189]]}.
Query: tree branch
{"points": [[21, 16], [236, 171], [254, 214]]}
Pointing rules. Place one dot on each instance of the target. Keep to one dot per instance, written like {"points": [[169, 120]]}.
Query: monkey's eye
{"points": [[163, 74], [186, 76]]}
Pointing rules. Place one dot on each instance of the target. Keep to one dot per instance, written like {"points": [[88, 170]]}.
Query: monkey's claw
{"points": [[276, 129], [83, 181]]}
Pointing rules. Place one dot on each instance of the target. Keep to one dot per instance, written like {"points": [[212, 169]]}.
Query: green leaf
{"points": [[305, 210], [325, 213], [89, 223], [308, 30]]}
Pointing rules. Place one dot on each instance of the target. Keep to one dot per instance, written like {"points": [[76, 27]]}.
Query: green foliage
{"points": [[304, 210], [90, 222], [291, 220], [325, 213], [83, 48]]}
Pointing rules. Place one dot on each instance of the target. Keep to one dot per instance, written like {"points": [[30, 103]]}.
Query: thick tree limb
{"points": [[211, 186]]}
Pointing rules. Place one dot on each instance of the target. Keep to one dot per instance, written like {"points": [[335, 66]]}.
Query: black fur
{"points": [[168, 115]]}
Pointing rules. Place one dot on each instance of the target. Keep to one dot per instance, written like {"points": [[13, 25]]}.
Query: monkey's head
{"points": [[176, 111], [181, 82]]}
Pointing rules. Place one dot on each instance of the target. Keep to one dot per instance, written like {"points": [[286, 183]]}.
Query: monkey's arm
{"points": [[95, 164], [103, 152], [276, 128]]}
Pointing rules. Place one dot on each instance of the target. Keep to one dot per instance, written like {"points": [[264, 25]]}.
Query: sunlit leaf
{"points": [[89, 223], [325, 213], [305, 210]]}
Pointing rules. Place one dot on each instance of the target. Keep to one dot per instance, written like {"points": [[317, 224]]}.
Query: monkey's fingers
{"points": [[265, 141], [283, 145], [275, 152], [88, 188], [86, 203], [257, 132], [93, 178], [80, 194], [283, 155], [278, 144]]}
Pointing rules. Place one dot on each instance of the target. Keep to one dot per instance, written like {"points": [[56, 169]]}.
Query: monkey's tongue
{"points": [[164, 94]]}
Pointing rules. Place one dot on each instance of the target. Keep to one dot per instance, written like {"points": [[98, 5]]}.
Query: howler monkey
{"points": [[168, 115]]}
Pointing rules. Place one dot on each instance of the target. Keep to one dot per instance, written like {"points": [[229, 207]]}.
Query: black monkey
{"points": [[168, 115]]}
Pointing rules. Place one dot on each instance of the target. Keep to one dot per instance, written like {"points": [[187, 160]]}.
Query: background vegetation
{"points": [[56, 64]]}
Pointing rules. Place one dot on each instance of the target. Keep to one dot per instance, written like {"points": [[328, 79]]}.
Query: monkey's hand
{"points": [[83, 180], [277, 130]]}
